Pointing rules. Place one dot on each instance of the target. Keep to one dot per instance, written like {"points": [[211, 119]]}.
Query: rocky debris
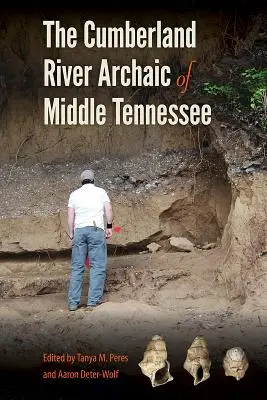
{"points": [[131, 275], [135, 180], [162, 280], [41, 195], [151, 185], [252, 163], [207, 246], [153, 247], [250, 166], [181, 244]]}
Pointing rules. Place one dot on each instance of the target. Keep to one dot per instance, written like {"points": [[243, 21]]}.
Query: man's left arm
{"points": [[109, 214]]}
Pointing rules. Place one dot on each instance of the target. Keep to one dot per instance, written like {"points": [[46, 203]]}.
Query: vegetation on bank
{"points": [[245, 95]]}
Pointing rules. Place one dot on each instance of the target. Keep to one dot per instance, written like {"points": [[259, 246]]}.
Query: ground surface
{"points": [[177, 295]]}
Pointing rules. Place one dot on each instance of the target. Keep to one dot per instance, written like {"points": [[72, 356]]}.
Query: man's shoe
{"points": [[73, 308], [91, 307], [101, 302]]}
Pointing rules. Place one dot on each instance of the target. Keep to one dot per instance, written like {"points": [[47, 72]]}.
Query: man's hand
{"points": [[71, 237], [108, 233]]}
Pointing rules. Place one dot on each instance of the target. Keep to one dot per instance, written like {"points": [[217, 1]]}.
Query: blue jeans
{"points": [[89, 241]]}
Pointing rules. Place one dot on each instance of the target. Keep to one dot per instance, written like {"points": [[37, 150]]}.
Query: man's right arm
{"points": [[71, 217]]}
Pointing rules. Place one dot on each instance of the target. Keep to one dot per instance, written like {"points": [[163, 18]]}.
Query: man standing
{"points": [[86, 209]]}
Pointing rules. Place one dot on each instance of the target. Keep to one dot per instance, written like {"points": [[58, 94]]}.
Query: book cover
{"points": [[133, 200]]}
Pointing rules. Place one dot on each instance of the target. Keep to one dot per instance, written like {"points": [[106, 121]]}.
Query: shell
{"points": [[198, 357], [235, 363], [155, 364]]}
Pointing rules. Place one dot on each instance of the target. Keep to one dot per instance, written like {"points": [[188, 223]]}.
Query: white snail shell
{"points": [[155, 364]]}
